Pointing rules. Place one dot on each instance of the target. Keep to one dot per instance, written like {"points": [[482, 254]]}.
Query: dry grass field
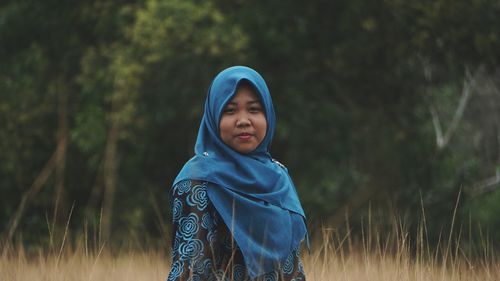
{"points": [[330, 259]]}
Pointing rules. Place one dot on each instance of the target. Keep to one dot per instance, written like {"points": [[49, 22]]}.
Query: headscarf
{"points": [[252, 192]]}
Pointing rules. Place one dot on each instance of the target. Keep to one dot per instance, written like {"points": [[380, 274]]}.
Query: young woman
{"points": [[236, 214]]}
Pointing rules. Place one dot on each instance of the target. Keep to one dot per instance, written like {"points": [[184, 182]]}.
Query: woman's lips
{"points": [[244, 136]]}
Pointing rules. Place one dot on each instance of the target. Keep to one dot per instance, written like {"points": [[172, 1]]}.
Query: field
{"points": [[331, 259]]}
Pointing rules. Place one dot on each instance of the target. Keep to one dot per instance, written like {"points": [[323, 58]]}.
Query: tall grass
{"points": [[395, 257], [334, 257], [77, 265]]}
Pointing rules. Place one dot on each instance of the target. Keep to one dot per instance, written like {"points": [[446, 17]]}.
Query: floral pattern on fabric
{"points": [[203, 247]]}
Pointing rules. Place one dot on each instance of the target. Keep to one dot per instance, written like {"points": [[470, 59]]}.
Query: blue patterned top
{"points": [[203, 247]]}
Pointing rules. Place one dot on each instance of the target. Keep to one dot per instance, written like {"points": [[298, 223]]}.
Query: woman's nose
{"points": [[242, 121]]}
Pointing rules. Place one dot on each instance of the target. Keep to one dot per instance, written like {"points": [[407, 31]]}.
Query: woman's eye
{"points": [[229, 110], [255, 109]]}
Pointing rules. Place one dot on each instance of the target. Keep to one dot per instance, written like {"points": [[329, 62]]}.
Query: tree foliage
{"points": [[115, 91]]}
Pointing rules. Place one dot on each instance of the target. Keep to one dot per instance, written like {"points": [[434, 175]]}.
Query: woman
{"points": [[236, 213]]}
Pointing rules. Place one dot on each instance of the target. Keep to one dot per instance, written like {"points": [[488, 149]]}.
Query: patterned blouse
{"points": [[203, 247]]}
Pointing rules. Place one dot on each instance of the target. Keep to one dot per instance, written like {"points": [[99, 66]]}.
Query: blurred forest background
{"points": [[386, 109]]}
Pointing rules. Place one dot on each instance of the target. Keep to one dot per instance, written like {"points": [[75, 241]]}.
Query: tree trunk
{"points": [[37, 185], [60, 203], [110, 178]]}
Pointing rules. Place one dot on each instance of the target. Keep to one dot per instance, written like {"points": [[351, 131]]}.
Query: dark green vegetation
{"points": [[384, 107]]}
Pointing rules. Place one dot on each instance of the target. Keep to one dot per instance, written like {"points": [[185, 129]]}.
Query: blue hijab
{"points": [[252, 192]]}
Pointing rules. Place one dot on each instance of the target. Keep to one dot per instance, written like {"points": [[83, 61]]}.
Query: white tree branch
{"points": [[486, 186], [442, 140], [437, 127]]}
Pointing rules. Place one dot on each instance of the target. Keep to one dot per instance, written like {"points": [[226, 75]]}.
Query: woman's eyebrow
{"points": [[248, 102]]}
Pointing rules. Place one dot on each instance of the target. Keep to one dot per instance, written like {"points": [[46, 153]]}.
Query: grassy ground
{"points": [[328, 261], [335, 256], [78, 266]]}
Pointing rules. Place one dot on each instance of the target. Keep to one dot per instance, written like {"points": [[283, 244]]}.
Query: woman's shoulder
{"points": [[192, 192], [186, 186]]}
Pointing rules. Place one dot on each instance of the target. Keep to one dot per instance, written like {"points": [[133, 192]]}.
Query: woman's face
{"points": [[243, 122]]}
